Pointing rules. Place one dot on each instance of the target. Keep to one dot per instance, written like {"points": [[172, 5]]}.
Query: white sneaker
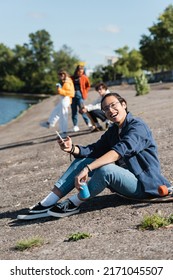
{"points": [[90, 125], [75, 128]]}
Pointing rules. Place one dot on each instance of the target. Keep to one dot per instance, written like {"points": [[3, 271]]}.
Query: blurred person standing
{"points": [[82, 86], [60, 113]]}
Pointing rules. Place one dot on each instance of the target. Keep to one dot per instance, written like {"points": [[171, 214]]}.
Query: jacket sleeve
{"points": [[67, 89], [96, 149], [91, 107], [94, 106], [87, 83], [136, 138]]}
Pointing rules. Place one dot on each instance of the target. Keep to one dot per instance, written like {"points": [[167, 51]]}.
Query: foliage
{"points": [[39, 62], [64, 59], [155, 53], [29, 243], [78, 236], [12, 83], [129, 62], [108, 73], [6, 63], [97, 75], [155, 221], [33, 67], [157, 47], [141, 85]]}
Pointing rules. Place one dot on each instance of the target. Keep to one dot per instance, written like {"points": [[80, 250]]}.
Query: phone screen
{"points": [[59, 136]]}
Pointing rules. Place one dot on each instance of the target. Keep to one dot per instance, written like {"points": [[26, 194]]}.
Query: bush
{"points": [[12, 83], [141, 85]]}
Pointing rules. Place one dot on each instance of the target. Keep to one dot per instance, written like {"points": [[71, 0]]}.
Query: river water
{"points": [[12, 106]]}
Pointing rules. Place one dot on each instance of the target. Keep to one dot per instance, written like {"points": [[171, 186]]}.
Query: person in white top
{"points": [[94, 111]]}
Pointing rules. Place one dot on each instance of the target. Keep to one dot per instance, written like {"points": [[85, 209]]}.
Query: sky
{"points": [[93, 29]]}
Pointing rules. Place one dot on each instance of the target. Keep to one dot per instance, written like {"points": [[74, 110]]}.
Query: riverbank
{"points": [[31, 162], [25, 94], [12, 105]]}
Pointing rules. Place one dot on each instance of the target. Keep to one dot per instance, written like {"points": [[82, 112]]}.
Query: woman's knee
{"points": [[106, 169], [100, 179]]}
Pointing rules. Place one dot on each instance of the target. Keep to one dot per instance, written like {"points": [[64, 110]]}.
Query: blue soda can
{"points": [[84, 192]]}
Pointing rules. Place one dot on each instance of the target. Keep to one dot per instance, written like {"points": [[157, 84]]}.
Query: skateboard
{"points": [[166, 195]]}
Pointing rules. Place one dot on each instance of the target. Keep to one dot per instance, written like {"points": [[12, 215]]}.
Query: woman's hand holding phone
{"points": [[65, 144]]}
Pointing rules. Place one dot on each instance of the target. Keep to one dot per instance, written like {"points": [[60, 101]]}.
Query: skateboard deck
{"points": [[167, 198]]}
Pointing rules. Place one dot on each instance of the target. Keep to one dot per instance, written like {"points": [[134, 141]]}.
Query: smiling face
{"points": [[114, 110]]}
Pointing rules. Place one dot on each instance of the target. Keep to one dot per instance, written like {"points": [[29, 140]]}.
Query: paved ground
{"points": [[31, 161]]}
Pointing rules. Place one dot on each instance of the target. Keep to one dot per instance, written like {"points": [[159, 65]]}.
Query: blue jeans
{"points": [[111, 176], [78, 101]]}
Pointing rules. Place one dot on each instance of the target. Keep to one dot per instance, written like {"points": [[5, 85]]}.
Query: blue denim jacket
{"points": [[137, 148]]}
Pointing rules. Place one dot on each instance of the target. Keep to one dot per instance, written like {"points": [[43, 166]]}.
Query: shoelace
{"points": [[64, 205]]}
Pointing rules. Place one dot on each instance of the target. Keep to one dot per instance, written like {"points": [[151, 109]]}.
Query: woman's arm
{"points": [[67, 89], [107, 158]]}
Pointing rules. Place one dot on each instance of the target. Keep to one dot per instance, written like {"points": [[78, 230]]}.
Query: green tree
{"points": [[12, 83], [21, 67], [33, 67], [108, 73], [41, 76], [6, 65], [157, 48], [129, 63], [149, 51], [97, 75], [65, 59], [33, 63]]}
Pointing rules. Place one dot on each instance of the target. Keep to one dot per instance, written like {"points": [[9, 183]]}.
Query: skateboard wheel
{"points": [[163, 190]]}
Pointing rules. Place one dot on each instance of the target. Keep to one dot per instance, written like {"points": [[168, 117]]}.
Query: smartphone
{"points": [[59, 136]]}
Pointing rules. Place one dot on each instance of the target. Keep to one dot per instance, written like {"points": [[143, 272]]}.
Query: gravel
{"points": [[30, 163]]}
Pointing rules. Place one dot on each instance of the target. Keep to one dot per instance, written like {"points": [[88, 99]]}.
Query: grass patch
{"points": [[155, 221], [29, 243], [78, 236]]}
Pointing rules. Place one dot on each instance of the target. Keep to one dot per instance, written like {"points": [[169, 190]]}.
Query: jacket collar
{"points": [[128, 119]]}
